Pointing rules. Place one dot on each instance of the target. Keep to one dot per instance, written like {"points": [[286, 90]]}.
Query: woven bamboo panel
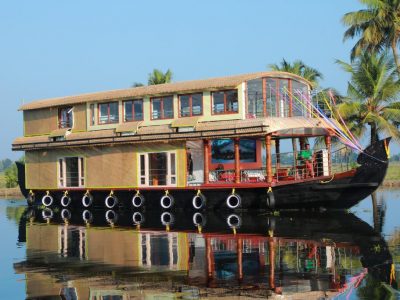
{"points": [[40, 121]]}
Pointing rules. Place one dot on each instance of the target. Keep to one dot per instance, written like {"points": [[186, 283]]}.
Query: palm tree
{"points": [[378, 27], [372, 96], [299, 68], [158, 77]]}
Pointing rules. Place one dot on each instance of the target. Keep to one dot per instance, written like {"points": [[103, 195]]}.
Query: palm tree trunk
{"points": [[395, 56]]}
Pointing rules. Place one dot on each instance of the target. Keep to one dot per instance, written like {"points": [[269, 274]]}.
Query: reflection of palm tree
{"points": [[379, 212]]}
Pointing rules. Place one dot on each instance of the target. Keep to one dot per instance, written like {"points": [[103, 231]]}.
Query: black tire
{"points": [[270, 201]]}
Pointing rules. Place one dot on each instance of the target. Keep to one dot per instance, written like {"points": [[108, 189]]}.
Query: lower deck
{"points": [[203, 164]]}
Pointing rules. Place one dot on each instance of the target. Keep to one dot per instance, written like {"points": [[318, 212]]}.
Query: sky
{"points": [[59, 48]]}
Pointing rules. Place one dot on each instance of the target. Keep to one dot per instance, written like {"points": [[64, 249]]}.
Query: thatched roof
{"points": [[160, 89]]}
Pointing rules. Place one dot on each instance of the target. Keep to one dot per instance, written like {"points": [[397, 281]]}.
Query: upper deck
{"points": [[254, 102]]}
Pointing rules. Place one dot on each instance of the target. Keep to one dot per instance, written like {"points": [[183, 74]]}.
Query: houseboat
{"points": [[230, 142]]}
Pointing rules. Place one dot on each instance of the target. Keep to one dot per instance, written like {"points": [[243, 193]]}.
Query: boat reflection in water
{"points": [[125, 254]]}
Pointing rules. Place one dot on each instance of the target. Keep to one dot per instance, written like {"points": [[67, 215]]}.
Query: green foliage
{"points": [[372, 96], [377, 27], [4, 164], [158, 77], [299, 68], [137, 84], [11, 176]]}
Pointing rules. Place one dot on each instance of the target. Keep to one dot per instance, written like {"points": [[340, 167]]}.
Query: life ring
{"points": [[233, 201], [137, 218], [66, 214], [234, 221], [87, 216], [47, 200], [167, 201], [65, 201], [199, 219], [138, 200], [167, 218], [270, 200], [87, 199], [47, 214], [199, 201], [111, 201], [111, 216]]}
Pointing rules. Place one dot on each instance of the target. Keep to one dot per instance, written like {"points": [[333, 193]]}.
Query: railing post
{"points": [[278, 154], [269, 157], [206, 146], [328, 144], [237, 160]]}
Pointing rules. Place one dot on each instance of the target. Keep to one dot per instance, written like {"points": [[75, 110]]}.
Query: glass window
{"points": [[71, 172], [65, 117], [284, 97], [108, 113], [225, 102], [162, 108], [300, 94], [271, 90], [158, 168], [255, 100], [223, 152], [190, 105], [133, 110]]}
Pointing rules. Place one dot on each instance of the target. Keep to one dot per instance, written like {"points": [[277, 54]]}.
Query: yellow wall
{"points": [[105, 166], [44, 121], [79, 118], [40, 121]]}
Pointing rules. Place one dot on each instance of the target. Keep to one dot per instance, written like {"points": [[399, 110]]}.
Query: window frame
{"points": [[171, 176], [62, 172], [133, 110], [108, 113], [71, 120], [225, 112], [190, 105], [162, 108]]}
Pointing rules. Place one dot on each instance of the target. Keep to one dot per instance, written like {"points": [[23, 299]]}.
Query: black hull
{"points": [[342, 191]]}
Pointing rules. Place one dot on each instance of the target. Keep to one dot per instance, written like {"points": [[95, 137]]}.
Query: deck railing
{"points": [[289, 166]]}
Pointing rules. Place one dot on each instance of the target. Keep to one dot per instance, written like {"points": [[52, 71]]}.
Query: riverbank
{"points": [[11, 193]]}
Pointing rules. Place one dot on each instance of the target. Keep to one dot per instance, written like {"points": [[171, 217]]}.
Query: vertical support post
{"points": [[278, 154], [206, 145], [294, 146], [328, 143], [237, 160], [210, 261], [271, 251], [240, 259], [269, 157]]}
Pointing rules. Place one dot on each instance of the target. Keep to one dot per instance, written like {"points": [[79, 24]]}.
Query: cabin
{"points": [[193, 133]]}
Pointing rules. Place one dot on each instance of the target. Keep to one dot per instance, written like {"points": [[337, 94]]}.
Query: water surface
{"points": [[55, 254]]}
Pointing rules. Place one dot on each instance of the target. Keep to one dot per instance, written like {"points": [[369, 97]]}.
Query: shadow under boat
{"points": [[209, 252]]}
